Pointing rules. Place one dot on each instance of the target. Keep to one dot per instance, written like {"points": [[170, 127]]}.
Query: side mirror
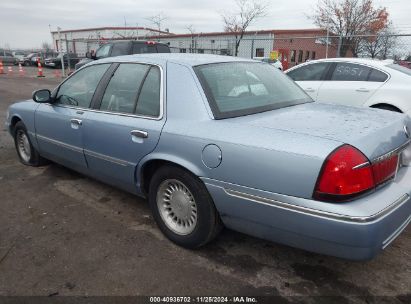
{"points": [[42, 96]]}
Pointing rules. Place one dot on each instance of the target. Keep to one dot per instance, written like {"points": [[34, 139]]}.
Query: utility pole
{"points": [[61, 52], [68, 54]]}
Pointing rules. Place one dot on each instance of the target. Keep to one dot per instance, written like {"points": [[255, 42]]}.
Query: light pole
{"points": [[61, 52]]}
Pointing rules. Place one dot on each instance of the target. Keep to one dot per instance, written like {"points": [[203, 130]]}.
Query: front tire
{"points": [[28, 155], [183, 208]]}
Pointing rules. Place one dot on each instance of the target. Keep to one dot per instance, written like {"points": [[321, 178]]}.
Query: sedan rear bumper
{"points": [[341, 234]]}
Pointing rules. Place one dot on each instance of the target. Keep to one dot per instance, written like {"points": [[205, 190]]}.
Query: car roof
{"points": [[367, 61], [180, 58]]}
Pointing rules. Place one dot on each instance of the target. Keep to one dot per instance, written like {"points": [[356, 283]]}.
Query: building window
{"points": [[307, 55], [292, 56], [259, 52], [312, 55], [183, 51], [300, 56]]}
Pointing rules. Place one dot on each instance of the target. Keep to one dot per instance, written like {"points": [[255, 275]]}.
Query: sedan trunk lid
{"points": [[375, 132]]}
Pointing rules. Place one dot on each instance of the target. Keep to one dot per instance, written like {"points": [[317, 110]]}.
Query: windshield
{"points": [[242, 88], [400, 68]]}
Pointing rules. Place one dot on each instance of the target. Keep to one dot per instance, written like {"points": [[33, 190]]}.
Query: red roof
{"points": [[258, 32], [119, 28]]}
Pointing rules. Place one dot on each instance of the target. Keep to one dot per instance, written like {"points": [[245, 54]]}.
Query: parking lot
{"points": [[62, 233]]}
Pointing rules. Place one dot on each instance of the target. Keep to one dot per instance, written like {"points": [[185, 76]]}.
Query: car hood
{"points": [[375, 132]]}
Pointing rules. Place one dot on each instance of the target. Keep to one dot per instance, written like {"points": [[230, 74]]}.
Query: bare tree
{"points": [[381, 44], [158, 20], [190, 28], [46, 46], [248, 11], [350, 19]]}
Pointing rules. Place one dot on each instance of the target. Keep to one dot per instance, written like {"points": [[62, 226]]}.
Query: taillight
{"points": [[151, 42], [347, 173]]}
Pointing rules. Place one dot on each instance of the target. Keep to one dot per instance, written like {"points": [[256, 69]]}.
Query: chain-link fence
{"points": [[291, 50]]}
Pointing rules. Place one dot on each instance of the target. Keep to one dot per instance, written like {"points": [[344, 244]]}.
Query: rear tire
{"points": [[183, 208], [27, 154]]}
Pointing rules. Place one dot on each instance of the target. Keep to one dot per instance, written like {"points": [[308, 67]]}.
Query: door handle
{"points": [[362, 90], [139, 133], [75, 121], [309, 90]]}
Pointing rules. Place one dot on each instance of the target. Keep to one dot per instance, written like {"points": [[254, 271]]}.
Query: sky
{"points": [[26, 23]]}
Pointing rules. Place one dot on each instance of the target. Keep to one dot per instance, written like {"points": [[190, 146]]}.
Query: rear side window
{"points": [[143, 48], [350, 72], [377, 76], [122, 91], [310, 72], [148, 103], [120, 48]]}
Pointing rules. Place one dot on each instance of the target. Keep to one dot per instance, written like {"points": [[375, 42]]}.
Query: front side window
{"points": [[243, 88], [78, 90], [122, 91], [309, 72], [103, 51], [350, 72]]}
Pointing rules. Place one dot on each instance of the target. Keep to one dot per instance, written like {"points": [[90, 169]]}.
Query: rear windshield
{"points": [[400, 68], [242, 88]]}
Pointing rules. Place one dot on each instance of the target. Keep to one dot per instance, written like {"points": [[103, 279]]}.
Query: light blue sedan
{"points": [[217, 141]]}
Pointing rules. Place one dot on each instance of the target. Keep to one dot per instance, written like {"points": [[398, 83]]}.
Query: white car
{"points": [[274, 62], [356, 82]]}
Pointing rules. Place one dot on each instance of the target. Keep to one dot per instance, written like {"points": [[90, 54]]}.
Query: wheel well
{"points": [[386, 106], [150, 168], [14, 121]]}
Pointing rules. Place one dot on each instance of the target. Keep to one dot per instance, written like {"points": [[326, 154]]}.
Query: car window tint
{"points": [[310, 72], [141, 48], [235, 89], [350, 72], [79, 89], [122, 90], [148, 103], [161, 48], [103, 51], [377, 76], [120, 48]]}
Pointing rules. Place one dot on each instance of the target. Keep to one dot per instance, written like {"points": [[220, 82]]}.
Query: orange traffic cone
{"points": [[21, 71], [39, 69], [1, 68], [10, 70]]}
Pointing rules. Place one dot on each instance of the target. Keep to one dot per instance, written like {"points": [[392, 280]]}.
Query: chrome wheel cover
{"points": [[177, 206], [23, 145]]}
